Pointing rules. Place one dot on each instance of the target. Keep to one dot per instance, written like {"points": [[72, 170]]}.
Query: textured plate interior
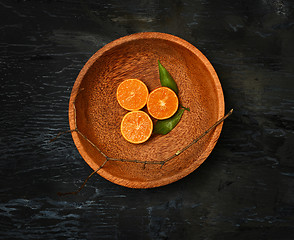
{"points": [[98, 114]]}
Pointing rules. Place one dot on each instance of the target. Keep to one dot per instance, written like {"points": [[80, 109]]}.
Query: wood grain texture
{"points": [[98, 113], [243, 190]]}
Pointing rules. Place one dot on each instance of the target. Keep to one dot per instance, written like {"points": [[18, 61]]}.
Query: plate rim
{"points": [[180, 174]]}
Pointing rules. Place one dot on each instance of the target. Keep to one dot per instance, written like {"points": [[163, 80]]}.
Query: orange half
{"points": [[136, 126], [132, 94], [162, 103]]}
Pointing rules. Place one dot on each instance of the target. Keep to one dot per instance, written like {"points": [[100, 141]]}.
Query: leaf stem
{"points": [[134, 160]]}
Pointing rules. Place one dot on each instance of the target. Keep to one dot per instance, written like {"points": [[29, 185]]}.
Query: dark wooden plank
{"points": [[243, 190]]}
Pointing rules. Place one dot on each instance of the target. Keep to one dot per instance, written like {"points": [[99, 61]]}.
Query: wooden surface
{"points": [[244, 190], [96, 113]]}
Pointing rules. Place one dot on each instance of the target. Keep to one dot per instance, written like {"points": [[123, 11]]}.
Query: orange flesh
{"points": [[162, 103], [136, 127], [132, 94]]}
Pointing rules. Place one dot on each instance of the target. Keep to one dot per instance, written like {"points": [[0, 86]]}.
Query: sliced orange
{"points": [[162, 103], [132, 94], [136, 126]]}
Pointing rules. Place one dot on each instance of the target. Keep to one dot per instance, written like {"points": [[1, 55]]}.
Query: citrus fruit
{"points": [[132, 94], [162, 103], [136, 126]]}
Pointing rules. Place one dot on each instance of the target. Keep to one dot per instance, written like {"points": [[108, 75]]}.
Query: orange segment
{"points": [[132, 94], [136, 126], [162, 103]]}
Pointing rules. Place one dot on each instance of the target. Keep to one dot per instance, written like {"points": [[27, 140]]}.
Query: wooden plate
{"points": [[94, 110]]}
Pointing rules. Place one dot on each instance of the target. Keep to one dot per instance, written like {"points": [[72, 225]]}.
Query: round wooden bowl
{"points": [[94, 110]]}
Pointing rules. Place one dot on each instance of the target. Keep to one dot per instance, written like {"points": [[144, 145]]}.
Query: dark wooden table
{"points": [[244, 190]]}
